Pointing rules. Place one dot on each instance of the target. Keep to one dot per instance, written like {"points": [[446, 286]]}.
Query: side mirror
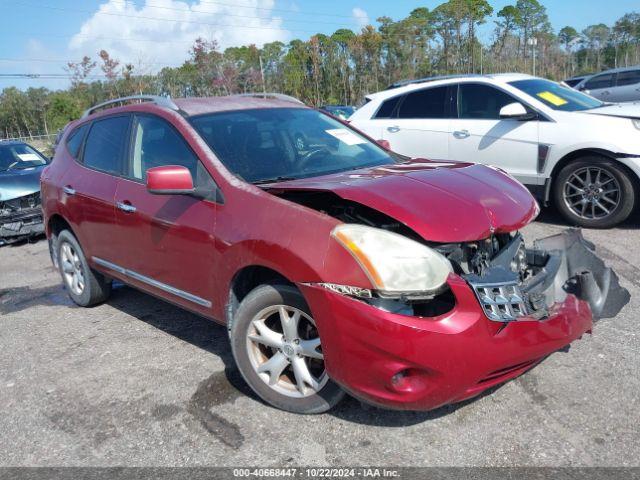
{"points": [[384, 144], [169, 180], [513, 110]]}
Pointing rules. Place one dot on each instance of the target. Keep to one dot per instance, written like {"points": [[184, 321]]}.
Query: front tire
{"points": [[277, 348], [85, 286], [594, 192]]}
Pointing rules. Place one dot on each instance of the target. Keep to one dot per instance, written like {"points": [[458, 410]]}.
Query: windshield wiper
{"points": [[273, 180], [602, 106]]}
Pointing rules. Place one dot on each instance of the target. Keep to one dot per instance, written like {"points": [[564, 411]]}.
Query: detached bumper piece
{"points": [[20, 218], [511, 290]]}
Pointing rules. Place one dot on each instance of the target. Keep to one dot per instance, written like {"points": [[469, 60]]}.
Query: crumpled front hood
{"points": [[625, 110], [442, 202], [18, 183]]}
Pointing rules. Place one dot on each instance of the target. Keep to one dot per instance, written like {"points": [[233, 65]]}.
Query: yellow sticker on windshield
{"points": [[552, 98]]}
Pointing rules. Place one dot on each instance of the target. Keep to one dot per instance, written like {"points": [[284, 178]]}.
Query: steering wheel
{"points": [[311, 154]]}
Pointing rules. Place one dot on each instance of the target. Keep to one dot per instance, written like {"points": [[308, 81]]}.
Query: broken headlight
{"points": [[395, 264]]}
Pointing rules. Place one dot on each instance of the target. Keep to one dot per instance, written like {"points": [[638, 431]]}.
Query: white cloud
{"points": [[35, 49], [360, 16], [168, 32]]}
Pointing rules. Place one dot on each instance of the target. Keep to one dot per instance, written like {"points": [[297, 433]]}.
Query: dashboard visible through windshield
{"points": [[556, 96], [276, 144], [19, 156]]}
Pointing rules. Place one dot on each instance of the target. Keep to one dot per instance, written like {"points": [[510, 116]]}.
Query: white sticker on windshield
{"points": [[28, 157], [346, 136]]}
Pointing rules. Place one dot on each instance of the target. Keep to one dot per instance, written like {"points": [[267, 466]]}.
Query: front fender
{"points": [[294, 242], [557, 153]]}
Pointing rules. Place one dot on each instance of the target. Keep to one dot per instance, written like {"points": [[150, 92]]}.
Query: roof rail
{"points": [[278, 96], [155, 99], [403, 83]]}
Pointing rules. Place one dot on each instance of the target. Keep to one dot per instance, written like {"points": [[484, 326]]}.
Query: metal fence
{"points": [[44, 143], [32, 138]]}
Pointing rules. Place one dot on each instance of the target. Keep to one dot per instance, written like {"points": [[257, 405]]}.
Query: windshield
{"points": [[342, 112], [557, 96], [286, 143], [572, 82], [19, 156]]}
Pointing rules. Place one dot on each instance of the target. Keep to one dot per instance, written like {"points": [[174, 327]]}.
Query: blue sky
{"points": [[39, 36]]}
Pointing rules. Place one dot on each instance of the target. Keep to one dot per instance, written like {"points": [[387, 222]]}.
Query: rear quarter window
{"points": [[387, 108], [74, 140]]}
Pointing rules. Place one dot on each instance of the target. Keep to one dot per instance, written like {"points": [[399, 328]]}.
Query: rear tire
{"points": [[594, 192], [85, 286], [277, 349]]}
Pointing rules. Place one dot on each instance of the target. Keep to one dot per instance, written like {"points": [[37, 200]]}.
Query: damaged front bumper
{"points": [[20, 218], [420, 362], [557, 266]]}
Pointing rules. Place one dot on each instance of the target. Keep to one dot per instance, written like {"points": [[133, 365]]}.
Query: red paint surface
{"points": [[199, 246], [449, 356], [170, 177]]}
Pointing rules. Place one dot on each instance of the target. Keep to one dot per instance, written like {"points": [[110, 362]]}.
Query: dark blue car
{"points": [[20, 205]]}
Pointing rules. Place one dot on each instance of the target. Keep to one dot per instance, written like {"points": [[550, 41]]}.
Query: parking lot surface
{"points": [[138, 382]]}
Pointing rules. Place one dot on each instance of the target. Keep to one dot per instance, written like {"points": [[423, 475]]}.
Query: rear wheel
{"points": [[85, 286], [278, 351], [594, 192]]}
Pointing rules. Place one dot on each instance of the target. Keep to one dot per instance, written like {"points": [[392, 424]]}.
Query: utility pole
{"points": [[264, 86], [533, 41]]}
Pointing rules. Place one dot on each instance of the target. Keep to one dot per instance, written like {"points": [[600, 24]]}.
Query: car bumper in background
{"points": [[23, 223]]}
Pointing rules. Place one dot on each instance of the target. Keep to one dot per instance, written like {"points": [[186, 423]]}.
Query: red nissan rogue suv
{"points": [[336, 264]]}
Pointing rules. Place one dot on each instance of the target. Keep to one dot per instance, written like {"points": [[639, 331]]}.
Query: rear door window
{"points": [[428, 103], [600, 81], [105, 145], [628, 78]]}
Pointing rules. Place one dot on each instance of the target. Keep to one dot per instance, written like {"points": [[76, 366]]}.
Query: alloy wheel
{"points": [[71, 268], [592, 193], [285, 352]]}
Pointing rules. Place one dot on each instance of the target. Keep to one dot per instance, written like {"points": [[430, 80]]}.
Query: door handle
{"points": [[461, 134], [394, 129], [125, 207], [69, 190]]}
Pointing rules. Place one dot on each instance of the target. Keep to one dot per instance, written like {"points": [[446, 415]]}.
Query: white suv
{"points": [[567, 147]]}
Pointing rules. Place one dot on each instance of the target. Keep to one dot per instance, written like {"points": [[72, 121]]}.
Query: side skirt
{"points": [[153, 283]]}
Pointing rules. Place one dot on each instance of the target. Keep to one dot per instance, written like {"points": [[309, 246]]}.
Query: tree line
{"points": [[343, 67]]}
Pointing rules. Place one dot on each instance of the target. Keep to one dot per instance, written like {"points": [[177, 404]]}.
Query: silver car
{"points": [[617, 85], [20, 209]]}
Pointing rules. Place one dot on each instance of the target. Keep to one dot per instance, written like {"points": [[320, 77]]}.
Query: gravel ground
{"points": [[139, 382]]}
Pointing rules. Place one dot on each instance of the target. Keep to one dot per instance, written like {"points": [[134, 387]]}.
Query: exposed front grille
{"points": [[501, 302], [21, 203]]}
